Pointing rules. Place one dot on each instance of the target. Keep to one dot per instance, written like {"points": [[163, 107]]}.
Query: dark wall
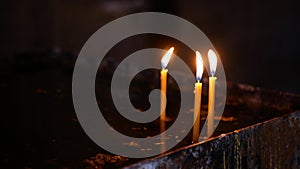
{"points": [[256, 39]]}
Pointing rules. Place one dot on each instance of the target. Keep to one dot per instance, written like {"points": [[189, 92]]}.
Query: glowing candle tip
{"points": [[166, 58], [212, 57], [199, 66]]}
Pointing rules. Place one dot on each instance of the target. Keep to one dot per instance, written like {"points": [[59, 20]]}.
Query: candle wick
{"points": [[213, 73]]}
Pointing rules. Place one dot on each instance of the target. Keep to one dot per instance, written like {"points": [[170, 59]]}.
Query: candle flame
{"points": [[199, 66], [166, 58], [212, 57]]}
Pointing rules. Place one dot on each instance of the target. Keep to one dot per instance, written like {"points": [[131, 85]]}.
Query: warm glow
{"points": [[212, 57], [199, 66], [166, 58]]}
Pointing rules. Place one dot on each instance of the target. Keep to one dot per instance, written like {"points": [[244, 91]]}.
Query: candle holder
{"points": [[257, 124], [56, 139], [261, 125], [250, 147]]}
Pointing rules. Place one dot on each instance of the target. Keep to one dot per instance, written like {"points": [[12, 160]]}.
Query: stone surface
{"points": [[271, 144]]}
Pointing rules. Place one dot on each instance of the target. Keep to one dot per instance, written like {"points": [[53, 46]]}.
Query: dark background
{"points": [[256, 40]]}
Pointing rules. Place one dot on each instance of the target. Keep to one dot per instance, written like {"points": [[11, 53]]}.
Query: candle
{"points": [[197, 101], [163, 86], [211, 91]]}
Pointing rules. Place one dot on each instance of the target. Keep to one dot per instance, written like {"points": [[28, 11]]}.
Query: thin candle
{"points": [[197, 101], [163, 86], [211, 91]]}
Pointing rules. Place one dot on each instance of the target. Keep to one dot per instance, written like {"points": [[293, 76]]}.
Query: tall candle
{"points": [[211, 91], [197, 101], [163, 86]]}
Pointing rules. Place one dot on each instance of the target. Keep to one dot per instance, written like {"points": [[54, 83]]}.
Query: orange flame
{"points": [[212, 57], [199, 68], [166, 58]]}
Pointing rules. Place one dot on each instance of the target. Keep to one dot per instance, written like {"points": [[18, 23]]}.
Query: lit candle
{"points": [[197, 101], [163, 86], [211, 91]]}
